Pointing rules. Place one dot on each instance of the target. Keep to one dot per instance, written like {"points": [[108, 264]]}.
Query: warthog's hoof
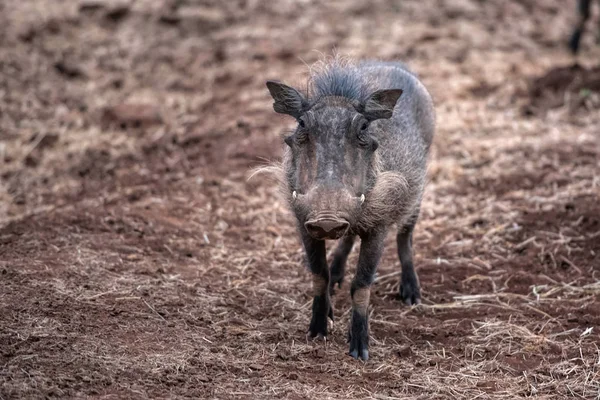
{"points": [[410, 292], [318, 324], [362, 355], [358, 336], [319, 337]]}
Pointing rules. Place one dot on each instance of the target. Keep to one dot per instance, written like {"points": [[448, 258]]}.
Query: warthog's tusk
{"points": [[362, 198], [294, 195]]}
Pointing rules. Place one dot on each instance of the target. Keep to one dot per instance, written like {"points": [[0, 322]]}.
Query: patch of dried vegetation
{"points": [[139, 262]]}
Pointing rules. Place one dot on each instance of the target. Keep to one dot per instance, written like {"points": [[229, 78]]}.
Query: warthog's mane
{"points": [[338, 77], [277, 172]]}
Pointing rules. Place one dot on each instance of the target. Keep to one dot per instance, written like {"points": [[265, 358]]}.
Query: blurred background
{"points": [[136, 260]]}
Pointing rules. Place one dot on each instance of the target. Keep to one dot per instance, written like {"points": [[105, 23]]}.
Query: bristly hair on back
{"points": [[337, 76]]}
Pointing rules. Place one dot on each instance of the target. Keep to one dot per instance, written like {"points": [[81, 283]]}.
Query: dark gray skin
{"points": [[356, 166], [583, 11]]}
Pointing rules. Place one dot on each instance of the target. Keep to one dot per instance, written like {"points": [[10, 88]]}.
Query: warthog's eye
{"points": [[362, 134], [301, 135], [363, 138], [363, 141]]}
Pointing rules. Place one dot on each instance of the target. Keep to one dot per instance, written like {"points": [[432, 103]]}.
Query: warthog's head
{"points": [[332, 155]]}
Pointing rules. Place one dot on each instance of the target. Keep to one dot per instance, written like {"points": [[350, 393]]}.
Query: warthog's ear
{"points": [[287, 99], [380, 104]]}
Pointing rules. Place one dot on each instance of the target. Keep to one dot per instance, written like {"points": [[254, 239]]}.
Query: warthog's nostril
{"points": [[327, 228]]}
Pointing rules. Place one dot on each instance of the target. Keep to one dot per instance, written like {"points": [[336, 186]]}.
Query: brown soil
{"points": [[137, 260]]}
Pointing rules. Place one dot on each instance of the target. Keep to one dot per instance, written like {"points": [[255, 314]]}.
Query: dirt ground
{"points": [[137, 260]]}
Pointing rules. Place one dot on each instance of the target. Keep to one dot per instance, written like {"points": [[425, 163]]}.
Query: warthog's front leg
{"points": [[317, 264], [370, 253], [410, 293], [338, 265], [583, 11]]}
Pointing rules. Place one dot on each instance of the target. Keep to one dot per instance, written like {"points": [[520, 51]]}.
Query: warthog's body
{"points": [[356, 166]]}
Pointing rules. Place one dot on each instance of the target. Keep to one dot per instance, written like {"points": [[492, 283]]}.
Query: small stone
{"points": [[132, 115], [170, 19], [49, 140], [200, 14], [405, 351], [222, 225], [69, 70], [117, 13], [31, 161], [89, 6]]}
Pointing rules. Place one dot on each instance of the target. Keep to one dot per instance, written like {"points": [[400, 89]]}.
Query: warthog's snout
{"points": [[327, 228]]}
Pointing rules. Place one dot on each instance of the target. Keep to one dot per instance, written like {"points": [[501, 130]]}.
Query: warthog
{"points": [[354, 166], [583, 11]]}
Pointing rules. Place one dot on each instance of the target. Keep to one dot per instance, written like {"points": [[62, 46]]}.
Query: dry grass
{"points": [[141, 263]]}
